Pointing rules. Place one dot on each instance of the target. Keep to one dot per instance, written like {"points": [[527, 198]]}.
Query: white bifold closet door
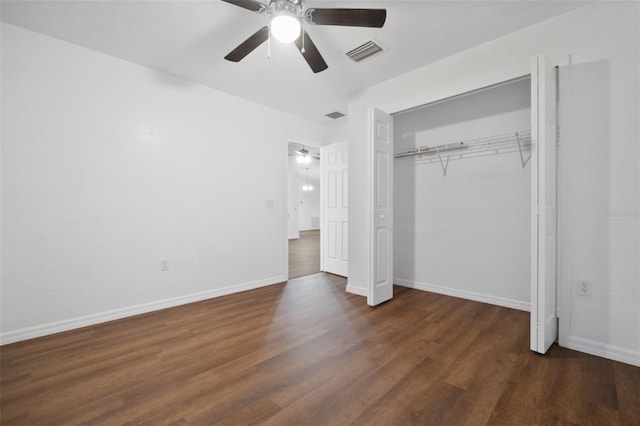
{"points": [[381, 265], [544, 324]]}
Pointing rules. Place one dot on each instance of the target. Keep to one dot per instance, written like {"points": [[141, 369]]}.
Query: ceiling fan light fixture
{"points": [[307, 186], [303, 156], [286, 26], [303, 159]]}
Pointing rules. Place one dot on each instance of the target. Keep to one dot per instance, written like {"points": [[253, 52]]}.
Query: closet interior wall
{"points": [[465, 234]]}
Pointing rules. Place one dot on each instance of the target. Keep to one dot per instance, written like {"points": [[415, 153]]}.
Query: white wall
{"points": [[337, 130], [599, 175], [108, 167], [310, 208], [467, 233], [309, 204]]}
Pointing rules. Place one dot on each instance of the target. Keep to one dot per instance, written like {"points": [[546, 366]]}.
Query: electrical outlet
{"points": [[164, 265], [584, 288]]}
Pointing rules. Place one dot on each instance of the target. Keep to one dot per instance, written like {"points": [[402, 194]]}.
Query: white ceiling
{"points": [[190, 39]]}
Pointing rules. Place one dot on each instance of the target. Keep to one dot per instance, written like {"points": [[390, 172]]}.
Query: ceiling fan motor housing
{"points": [[292, 6]]}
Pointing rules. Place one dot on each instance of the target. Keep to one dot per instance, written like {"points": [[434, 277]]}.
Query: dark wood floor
{"points": [[304, 254], [306, 352]]}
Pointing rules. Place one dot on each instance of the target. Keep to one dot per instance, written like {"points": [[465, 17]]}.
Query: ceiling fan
{"points": [[303, 157], [286, 26]]}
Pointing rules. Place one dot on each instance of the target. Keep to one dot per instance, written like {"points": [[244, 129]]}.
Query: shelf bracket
{"points": [[522, 159], [444, 164]]}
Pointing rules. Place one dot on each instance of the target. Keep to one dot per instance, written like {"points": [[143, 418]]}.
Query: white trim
{"points": [[323, 185], [73, 323], [478, 297], [286, 209], [604, 350], [357, 290]]}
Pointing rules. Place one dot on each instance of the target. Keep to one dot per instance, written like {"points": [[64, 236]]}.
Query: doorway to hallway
{"points": [[303, 216]]}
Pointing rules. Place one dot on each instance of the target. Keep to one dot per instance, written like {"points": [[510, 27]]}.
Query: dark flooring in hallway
{"points": [[304, 254]]}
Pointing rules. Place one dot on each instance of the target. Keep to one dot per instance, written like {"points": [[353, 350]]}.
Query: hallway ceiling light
{"points": [[303, 156], [307, 187]]}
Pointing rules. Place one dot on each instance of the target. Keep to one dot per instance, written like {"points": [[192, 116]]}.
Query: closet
{"points": [[462, 195]]}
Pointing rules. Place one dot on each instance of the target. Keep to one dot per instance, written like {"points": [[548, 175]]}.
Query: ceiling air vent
{"points": [[364, 51], [335, 115]]}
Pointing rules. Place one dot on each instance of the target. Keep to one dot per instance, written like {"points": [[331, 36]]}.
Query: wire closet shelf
{"points": [[507, 143]]}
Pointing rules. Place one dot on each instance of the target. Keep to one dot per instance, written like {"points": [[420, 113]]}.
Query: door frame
{"points": [[562, 302], [286, 200]]}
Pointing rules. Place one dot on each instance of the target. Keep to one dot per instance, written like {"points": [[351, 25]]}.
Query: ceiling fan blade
{"points": [[249, 45], [347, 17], [311, 53], [252, 5]]}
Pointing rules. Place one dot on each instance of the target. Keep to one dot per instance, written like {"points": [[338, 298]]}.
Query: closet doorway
{"points": [[462, 202], [303, 211], [473, 198]]}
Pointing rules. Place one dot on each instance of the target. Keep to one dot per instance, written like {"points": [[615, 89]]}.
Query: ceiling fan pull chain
{"points": [[269, 44], [303, 37]]}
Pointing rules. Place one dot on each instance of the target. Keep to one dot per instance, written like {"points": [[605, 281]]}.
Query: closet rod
{"points": [[433, 150], [497, 144]]}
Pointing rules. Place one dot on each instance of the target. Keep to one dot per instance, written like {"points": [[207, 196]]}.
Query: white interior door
{"points": [[544, 326], [381, 143], [335, 196]]}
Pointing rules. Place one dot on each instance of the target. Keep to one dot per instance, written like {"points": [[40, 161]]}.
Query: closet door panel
{"points": [[544, 327], [381, 145]]}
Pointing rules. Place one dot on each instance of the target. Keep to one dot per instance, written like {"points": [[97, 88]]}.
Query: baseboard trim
{"points": [[604, 350], [93, 319], [357, 290], [478, 297]]}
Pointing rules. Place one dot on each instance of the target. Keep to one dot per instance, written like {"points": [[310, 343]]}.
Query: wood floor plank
{"points": [[432, 407], [628, 388], [414, 386], [306, 352], [561, 391], [598, 384], [591, 413], [304, 254], [483, 391], [342, 398]]}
